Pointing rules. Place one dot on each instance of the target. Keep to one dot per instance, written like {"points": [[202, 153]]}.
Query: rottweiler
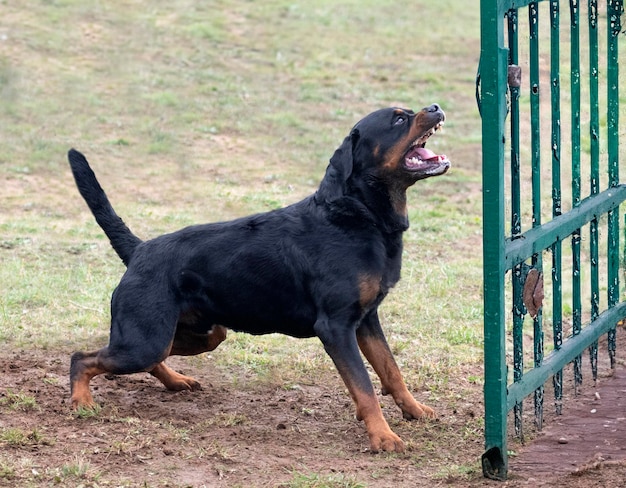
{"points": [[319, 267]]}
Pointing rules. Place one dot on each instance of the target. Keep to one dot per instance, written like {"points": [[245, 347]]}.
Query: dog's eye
{"points": [[400, 119]]}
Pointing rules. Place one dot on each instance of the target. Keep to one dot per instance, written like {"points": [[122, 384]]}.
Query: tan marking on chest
{"points": [[369, 289]]}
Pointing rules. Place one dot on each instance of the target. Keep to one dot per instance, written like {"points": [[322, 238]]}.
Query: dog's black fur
{"points": [[319, 267]]}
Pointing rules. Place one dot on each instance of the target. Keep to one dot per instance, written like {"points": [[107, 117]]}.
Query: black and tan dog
{"points": [[320, 267]]}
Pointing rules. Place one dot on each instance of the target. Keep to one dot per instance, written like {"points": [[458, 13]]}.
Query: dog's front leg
{"points": [[372, 342], [340, 343]]}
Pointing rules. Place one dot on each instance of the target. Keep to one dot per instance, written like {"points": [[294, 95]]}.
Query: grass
{"points": [[192, 113], [79, 469], [78, 472], [87, 413], [168, 108], [19, 401], [17, 437], [315, 480]]}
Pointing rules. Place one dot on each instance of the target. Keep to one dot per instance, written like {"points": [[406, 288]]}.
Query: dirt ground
{"points": [[220, 436], [237, 434], [586, 446]]}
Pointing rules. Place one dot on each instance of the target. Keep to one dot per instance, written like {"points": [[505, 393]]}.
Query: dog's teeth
{"points": [[422, 140], [415, 161]]}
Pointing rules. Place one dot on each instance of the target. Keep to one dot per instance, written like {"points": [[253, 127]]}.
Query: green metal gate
{"points": [[551, 190]]}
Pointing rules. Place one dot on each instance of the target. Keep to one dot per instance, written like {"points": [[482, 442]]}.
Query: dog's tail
{"points": [[122, 239]]}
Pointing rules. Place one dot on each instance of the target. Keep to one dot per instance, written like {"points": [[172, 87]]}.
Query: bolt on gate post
{"points": [[545, 148]]}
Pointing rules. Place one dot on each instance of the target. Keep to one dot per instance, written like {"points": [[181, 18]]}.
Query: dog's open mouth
{"points": [[423, 161]]}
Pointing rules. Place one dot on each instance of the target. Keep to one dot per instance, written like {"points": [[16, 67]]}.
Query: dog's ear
{"points": [[342, 161], [333, 185]]}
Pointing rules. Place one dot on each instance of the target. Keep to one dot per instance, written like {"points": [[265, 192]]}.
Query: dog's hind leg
{"points": [[143, 322], [187, 342], [83, 367], [374, 346]]}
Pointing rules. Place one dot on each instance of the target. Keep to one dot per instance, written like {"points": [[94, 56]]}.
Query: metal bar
{"points": [[594, 113], [516, 224], [535, 116], [575, 94], [515, 4], [533, 241], [576, 185], [612, 275], [493, 62], [555, 99], [533, 14], [595, 172], [571, 348], [614, 12], [615, 8], [576, 305]]}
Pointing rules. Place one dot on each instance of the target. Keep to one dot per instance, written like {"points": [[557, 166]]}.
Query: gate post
{"points": [[493, 75]]}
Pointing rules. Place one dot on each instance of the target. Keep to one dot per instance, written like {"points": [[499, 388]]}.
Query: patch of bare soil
{"points": [[586, 443], [231, 434], [220, 436]]}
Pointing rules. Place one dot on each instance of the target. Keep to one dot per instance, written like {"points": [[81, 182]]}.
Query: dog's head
{"points": [[386, 152], [392, 144]]}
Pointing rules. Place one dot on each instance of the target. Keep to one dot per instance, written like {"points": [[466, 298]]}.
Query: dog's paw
{"points": [[173, 380], [181, 382], [83, 401], [385, 441], [416, 410]]}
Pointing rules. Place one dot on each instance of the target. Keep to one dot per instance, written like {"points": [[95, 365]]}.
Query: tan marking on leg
{"points": [[216, 336], [173, 380], [379, 356], [187, 343], [79, 383], [381, 437]]}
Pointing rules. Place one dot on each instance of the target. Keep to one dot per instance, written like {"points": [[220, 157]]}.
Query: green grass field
{"points": [[192, 114], [204, 111]]}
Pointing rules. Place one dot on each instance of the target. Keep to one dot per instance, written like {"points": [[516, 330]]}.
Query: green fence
{"points": [[548, 92]]}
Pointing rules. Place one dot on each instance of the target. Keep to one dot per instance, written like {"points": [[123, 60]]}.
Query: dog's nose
{"points": [[434, 108]]}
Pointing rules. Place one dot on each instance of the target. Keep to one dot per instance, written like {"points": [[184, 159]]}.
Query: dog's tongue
{"points": [[426, 154]]}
